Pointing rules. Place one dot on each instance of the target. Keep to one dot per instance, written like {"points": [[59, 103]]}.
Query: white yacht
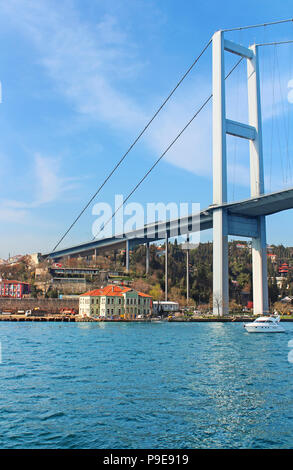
{"points": [[269, 324]]}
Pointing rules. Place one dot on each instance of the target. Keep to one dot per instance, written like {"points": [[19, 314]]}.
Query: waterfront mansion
{"points": [[115, 302]]}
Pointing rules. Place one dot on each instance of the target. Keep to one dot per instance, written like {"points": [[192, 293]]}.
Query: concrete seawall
{"points": [[50, 305]]}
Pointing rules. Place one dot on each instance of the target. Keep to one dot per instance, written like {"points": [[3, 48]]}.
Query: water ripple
{"points": [[144, 386]]}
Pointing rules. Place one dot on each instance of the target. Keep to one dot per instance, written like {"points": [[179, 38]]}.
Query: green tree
{"points": [[156, 292]]}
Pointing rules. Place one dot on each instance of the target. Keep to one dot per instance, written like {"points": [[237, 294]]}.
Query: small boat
{"points": [[269, 324]]}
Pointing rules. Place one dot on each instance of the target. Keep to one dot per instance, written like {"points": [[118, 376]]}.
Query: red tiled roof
{"points": [[116, 291], [92, 292]]}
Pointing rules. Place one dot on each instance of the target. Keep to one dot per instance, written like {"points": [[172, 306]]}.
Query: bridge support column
{"points": [[147, 258], [259, 244], [259, 270], [127, 255], [220, 225], [187, 270], [166, 267], [220, 263]]}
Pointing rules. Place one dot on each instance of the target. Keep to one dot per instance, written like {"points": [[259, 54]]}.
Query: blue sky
{"points": [[81, 78]]}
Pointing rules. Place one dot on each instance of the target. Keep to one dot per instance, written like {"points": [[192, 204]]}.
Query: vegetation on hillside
{"points": [[200, 272]]}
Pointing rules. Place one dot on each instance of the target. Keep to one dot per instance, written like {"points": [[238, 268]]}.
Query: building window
{"points": [[108, 301]]}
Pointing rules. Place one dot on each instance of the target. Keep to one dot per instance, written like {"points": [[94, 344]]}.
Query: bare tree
{"points": [[219, 304]]}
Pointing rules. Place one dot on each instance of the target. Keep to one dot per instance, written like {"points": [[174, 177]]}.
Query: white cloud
{"points": [[48, 186], [90, 64], [10, 214], [48, 183], [84, 62]]}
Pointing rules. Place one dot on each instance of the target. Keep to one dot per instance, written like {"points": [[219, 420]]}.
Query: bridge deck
{"points": [[266, 204]]}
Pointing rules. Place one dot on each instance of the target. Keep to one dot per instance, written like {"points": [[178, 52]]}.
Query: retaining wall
{"points": [[50, 305]]}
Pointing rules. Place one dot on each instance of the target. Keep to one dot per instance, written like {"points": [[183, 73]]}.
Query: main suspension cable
{"points": [[271, 23], [165, 151], [278, 43], [159, 110], [133, 144]]}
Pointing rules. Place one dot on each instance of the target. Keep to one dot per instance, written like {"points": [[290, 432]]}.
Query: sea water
{"points": [[143, 385]]}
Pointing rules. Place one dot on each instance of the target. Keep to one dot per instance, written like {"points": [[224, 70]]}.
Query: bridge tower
{"points": [[225, 224]]}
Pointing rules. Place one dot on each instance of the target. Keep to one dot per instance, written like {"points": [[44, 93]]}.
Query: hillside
{"points": [[200, 272]]}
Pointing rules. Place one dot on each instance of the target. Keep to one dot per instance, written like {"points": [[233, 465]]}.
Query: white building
{"points": [[163, 306], [115, 302]]}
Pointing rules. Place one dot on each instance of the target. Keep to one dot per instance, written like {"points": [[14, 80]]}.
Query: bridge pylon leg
{"points": [[220, 222], [166, 267], [187, 270], [259, 270], [259, 244], [127, 255], [147, 258], [220, 263]]}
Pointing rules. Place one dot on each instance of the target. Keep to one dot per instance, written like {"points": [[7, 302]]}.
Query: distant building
{"points": [[13, 289], [283, 269], [242, 246], [272, 257], [160, 250], [58, 272], [164, 306], [115, 302], [15, 259], [280, 282], [35, 258], [65, 280]]}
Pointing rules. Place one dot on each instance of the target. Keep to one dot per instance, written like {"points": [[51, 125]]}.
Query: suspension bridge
{"points": [[244, 218]]}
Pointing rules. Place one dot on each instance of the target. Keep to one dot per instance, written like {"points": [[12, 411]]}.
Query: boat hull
{"points": [[264, 329]]}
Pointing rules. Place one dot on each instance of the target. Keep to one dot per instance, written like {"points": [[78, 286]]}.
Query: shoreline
{"points": [[77, 319]]}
